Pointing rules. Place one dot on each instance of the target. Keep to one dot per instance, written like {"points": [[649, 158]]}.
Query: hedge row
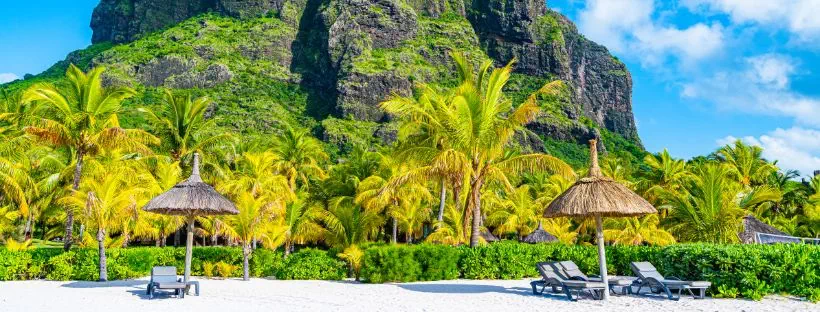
{"points": [[750, 271], [83, 264]]}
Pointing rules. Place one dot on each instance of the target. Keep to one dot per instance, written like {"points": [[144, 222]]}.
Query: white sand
{"points": [[272, 295]]}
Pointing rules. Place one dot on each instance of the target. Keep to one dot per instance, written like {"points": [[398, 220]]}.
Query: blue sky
{"points": [[704, 72]]}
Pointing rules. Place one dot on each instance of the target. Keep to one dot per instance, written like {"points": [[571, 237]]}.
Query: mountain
{"points": [[326, 64]]}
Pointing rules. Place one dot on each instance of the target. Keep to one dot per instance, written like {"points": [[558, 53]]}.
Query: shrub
{"points": [[208, 269], [311, 264], [224, 269], [14, 265], [390, 264], [751, 271], [265, 262]]}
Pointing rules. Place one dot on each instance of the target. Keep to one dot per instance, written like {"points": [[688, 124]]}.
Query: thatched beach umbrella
{"points": [[191, 198], [598, 196], [539, 236]]}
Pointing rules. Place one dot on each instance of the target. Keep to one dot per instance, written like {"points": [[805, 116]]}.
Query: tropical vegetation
{"points": [[455, 172]]}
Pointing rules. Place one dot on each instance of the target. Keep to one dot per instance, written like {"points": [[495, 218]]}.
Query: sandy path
{"points": [[271, 295]]}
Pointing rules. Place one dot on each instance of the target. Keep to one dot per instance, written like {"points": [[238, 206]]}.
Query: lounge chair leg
{"points": [[534, 288], [669, 294], [569, 294]]}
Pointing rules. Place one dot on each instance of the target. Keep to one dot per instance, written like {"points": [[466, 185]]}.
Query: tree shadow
{"points": [[464, 289], [119, 283]]}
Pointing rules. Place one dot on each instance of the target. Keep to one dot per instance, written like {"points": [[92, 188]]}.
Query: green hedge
{"points": [[750, 271], [83, 264]]}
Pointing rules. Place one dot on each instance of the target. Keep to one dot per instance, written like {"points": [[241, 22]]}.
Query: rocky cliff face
{"points": [[349, 55]]}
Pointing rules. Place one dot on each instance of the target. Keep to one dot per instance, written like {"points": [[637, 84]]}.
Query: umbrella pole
{"points": [[189, 249], [602, 254]]}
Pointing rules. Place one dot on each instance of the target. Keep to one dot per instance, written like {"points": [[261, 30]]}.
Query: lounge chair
{"points": [[165, 277], [571, 271], [551, 278], [648, 276]]}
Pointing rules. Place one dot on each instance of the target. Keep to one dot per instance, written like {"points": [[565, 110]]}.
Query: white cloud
{"points": [[795, 148], [627, 26], [796, 16], [762, 87], [7, 77]]}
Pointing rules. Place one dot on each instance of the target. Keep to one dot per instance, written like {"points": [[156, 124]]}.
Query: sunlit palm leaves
{"points": [[182, 126], [637, 231]]}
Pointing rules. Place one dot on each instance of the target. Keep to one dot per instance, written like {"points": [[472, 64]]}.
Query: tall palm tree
{"points": [[712, 207], [514, 213], [298, 156], [561, 228], [480, 121], [378, 195], [256, 174], [746, 163], [103, 203], [248, 225], [182, 126], [664, 174], [83, 117], [297, 222], [637, 231], [451, 230], [348, 224], [424, 128]]}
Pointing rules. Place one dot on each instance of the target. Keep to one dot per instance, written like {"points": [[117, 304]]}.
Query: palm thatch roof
{"points": [[597, 194], [539, 236], [192, 197], [752, 225]]}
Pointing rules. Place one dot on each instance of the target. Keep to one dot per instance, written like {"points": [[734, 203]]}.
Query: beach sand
{"points": [[272, 295]]}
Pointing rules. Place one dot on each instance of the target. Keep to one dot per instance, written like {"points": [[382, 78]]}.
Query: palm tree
{"points": [[8, 218], [711, 208], [182, 125], [298, 156], [83, 117], [514, 213], [248, 225], [637, 231], [451, 230], [378, 195], [479, 122], [349, 224], [424, 128], [410, 216], [297, 222], [102, 203], [664, 174], [561, 228], [746, 163], [256, 174]]}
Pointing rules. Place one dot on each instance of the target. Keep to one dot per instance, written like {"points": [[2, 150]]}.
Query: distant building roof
{"points": [[751, 225]]}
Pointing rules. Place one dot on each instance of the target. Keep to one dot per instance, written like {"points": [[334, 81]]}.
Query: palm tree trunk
{"points": [[28, 225], [475, 194], [395, 231], [442, 200], [287, 248], [126, 237], [69, 212], [101, 245], [246, 251]]}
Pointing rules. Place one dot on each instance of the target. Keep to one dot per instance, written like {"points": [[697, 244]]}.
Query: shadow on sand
{"points": [[464, 289], [120, 283]]}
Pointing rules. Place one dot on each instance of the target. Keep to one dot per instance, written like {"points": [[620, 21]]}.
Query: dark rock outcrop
{"points": [[352, 54]]}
